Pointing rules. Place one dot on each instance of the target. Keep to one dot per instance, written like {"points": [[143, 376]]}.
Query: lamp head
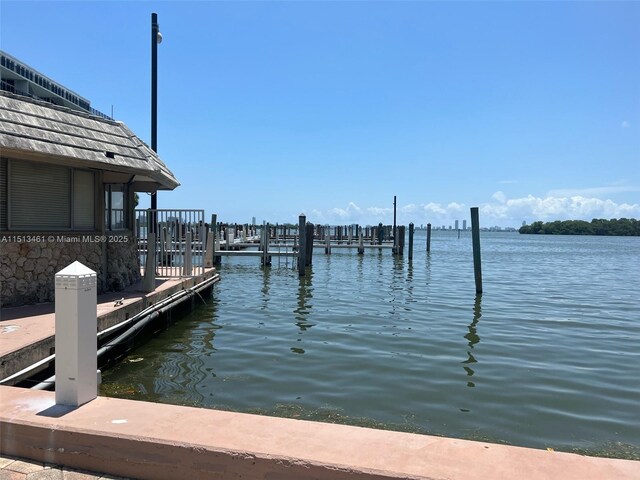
{"points": [[159, 38]]}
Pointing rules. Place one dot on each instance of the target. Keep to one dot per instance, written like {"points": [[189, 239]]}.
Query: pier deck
{"points": [[27, 332]]}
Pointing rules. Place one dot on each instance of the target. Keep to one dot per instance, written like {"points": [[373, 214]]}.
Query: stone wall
{"points": [[27, 268], [123, 263]]}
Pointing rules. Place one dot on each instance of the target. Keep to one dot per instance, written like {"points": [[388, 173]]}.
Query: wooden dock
{"points": [[269, 241]]}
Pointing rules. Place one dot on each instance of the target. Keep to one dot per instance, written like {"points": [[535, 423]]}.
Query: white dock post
{"points": [[76, 306], [208, 258], [202, 242], [188, 265], [149, 280], [227, 234]]}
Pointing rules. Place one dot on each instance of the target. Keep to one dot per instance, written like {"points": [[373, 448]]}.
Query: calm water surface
{"points": [[548, 356]]}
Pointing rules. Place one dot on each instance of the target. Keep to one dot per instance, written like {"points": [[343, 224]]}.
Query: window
{"points": [[40, 196], [115, 201]]}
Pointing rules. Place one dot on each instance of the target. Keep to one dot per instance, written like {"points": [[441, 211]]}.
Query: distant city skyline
{"points": [[528, 110]]}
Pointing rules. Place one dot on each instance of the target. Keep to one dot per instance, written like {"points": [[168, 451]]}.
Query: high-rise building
{"points": [[464, 225], [19, 78], [457, 225]]}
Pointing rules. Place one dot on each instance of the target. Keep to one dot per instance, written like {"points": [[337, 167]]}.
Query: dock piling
{"points": [[411, 241], [216, 239], [395, 236], [209, 252], [302, 244], [266, 259], [428, 237], [327, 236], [309, 249], [475, 234]]}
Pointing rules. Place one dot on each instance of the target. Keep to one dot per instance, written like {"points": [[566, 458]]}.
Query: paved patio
{"points": [[12, 468]]}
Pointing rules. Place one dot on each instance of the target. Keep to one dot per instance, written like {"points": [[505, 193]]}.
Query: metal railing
{"points": [[180, 240]]}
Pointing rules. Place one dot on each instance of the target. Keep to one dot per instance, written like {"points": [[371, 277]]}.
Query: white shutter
{"points": [[40, 196], [83, 200]]}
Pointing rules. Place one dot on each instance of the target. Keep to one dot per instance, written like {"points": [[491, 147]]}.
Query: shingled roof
{"points": [[39, 130]]}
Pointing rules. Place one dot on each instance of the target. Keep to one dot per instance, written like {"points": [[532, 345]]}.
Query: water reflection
{"points": [[180, 375], [303, 308], [410, 282], [427, 264], [473, 339], [266, 280], [397, 285]]}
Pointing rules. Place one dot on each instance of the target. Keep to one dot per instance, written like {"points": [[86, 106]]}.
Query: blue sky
{"points": [[529, 110]]}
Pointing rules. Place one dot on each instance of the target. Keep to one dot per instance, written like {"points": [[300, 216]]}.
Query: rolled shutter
{"points": [[40, 196], [3, 193], [83, 200]]}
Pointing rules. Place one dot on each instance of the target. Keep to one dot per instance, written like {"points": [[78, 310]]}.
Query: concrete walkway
{"points": [[27, 332], [12, 468], [159, 441]]}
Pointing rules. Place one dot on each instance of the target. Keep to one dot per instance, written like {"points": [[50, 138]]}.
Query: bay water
{"points": [[547, 357]]}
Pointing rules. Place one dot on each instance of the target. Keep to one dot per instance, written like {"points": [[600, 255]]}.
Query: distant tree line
{"points": [[597, 226]]}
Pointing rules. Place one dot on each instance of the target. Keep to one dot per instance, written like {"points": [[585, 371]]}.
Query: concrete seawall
{"points": [[158, 441]]}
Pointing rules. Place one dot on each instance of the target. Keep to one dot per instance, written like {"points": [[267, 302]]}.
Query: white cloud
{"points": [[499, 196], [412, 207], [593, 191], [558, 208], [434, 208], [380, 211], [352, 211], [625, 124], [499, 210]]}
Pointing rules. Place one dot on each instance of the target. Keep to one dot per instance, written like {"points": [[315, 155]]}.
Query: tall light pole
{"points": [[156, 38]]}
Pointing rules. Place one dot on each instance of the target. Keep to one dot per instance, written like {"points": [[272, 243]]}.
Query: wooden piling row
{"points": [[307, 232]]}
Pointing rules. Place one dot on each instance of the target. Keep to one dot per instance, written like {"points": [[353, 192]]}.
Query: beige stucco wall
{"points": [[29, 262]]}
